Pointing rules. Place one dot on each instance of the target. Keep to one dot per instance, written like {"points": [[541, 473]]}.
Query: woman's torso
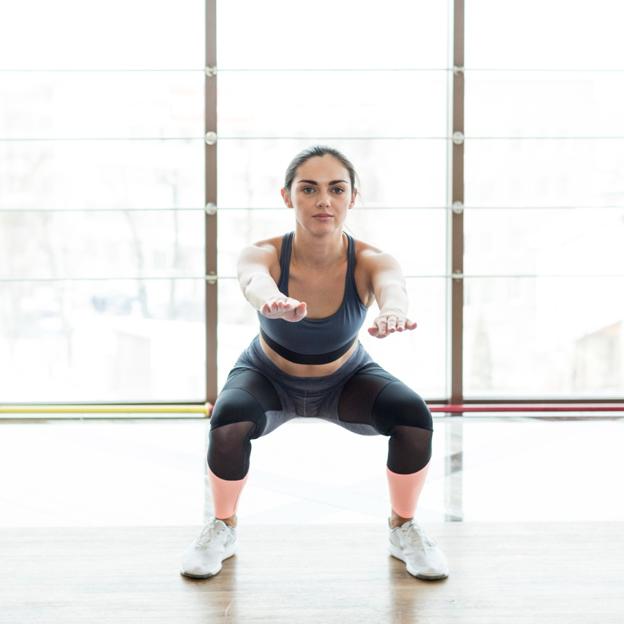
{"points": [[323, 293]]}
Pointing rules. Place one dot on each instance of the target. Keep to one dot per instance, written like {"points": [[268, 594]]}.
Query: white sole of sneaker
{"points": [[228, 554], [397, 555]]}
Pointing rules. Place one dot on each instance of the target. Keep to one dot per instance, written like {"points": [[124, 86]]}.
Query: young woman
{"points": [[311, 289]]}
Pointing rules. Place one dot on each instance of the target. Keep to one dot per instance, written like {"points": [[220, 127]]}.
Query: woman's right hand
{"points": [[284, 307]]}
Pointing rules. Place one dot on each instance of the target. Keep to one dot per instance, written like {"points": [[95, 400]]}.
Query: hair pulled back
{"points": [[317, 150]]}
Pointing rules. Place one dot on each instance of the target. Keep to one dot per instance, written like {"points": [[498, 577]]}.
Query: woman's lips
{"points": [[323, 217]]}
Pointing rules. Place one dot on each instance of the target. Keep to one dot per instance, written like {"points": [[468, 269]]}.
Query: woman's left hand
{"points": [[389, 322]]}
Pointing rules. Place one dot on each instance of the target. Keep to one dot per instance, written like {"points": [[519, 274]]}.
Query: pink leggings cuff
{"points": [[405, 490], [225, 494]]}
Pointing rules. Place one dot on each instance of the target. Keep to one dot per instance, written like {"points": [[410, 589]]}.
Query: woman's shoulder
{"points": [[273, 244], [272, 247], [370, 259], [365, 251]]}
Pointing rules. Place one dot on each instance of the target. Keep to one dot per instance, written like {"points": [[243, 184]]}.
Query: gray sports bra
{"points": [[316, 341]]}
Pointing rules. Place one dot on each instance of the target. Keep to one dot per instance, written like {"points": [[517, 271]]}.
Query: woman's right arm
{"points": [[260, 289], [254, 277]]}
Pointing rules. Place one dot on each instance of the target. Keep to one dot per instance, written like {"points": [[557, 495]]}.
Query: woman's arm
{"points": [[254, 276], [259, 287], [388, 284]]}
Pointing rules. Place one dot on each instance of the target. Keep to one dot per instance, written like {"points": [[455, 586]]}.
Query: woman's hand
{"points": [[389, 322], [284, 307]]}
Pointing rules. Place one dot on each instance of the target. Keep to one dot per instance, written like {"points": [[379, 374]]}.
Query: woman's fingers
{"points": [[274, 308], [387, 324], [295, 312]]}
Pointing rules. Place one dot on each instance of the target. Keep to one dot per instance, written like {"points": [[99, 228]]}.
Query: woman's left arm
{"points": [[388, 284]]}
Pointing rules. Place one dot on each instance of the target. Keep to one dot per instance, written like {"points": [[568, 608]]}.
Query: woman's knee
{"points": [[398, 405], [246, 396], [403, 415], [235, 420], [233, 406], [238, 416]]}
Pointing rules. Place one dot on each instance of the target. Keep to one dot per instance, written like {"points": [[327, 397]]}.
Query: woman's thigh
{"points": [[372, 396], [250, 396]]}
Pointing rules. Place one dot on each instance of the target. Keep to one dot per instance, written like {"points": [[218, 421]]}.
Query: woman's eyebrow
{"points": [[313, 182]]}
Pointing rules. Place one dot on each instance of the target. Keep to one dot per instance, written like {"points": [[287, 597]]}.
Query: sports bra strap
{"points": [[285, 261]]}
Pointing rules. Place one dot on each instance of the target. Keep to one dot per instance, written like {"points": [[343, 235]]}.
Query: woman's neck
{"points": [[317, 252]]}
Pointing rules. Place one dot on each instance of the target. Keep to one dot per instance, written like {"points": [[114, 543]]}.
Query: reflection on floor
{"points": [[152, 473]]}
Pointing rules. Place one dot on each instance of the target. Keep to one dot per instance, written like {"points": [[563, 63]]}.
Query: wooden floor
{"points": [[564, 573]]}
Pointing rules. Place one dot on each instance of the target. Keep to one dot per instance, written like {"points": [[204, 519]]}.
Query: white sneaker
{"points": [[203, 557], [422, 555]]}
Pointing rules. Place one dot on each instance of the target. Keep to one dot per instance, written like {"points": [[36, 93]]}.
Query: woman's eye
{"points": [[306, 188], [338, 188]]}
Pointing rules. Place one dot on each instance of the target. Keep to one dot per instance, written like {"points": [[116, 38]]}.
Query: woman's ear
{"points": [[286, 197], [353, 197]]}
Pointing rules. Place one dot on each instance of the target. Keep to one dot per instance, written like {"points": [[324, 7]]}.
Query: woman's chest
{"points": [[323, 291]]}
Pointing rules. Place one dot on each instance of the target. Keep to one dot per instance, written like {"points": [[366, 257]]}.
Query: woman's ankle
{"points": [[395, 520], [231, 521]]}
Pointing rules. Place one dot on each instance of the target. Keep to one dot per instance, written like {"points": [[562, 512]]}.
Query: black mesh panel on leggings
{"points": [[375, 397], [238, 416]]}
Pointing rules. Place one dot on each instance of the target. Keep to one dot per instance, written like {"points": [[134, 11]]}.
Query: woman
{"points": [[312, 288]]}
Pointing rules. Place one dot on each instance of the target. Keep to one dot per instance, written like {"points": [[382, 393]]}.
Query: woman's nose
{"points": [[323, 199]]}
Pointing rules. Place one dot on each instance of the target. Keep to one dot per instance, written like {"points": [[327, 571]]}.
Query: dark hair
{"points": [[310, 152]]}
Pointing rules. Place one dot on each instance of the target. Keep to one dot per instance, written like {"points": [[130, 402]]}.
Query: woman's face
{"points": [[321, 186]]}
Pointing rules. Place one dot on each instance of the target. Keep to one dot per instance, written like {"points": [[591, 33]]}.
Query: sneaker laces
{"points": [[212, 529], [416, 536]]}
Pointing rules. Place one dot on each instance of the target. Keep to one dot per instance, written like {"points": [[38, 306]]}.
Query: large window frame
{"points": [[454, 404]]}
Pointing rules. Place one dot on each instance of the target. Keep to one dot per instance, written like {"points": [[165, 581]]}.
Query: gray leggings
{"points": [[360, 396]]}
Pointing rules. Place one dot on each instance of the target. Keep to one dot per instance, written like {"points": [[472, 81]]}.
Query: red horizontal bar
{"points": [[532, 407]]}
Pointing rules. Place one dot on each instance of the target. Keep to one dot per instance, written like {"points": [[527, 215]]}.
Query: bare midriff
{"points": [[306, 370]]}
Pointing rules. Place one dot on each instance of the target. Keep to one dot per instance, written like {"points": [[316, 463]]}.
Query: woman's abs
{"points": [[306, 370]]}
